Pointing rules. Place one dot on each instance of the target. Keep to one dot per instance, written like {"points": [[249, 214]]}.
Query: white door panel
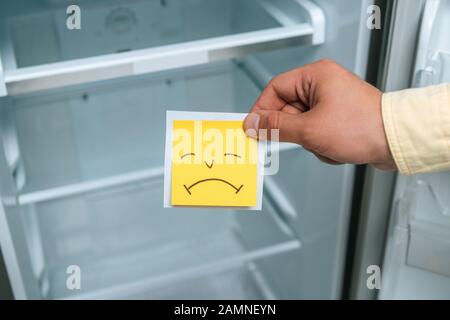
{"points": [[417, 257]]}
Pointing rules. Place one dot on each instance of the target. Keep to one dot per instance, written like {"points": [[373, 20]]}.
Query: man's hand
{"points": [[329, 111]]}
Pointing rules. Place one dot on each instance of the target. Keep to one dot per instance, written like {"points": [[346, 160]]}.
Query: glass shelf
{"points": [[120, 26], [126, 243], [124, 38], [114, 131]]}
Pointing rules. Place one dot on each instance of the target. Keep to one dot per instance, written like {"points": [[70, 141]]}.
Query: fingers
{"points": [[298, 87], [327, 160], [323, 158], [285, 90], [290, 126]]}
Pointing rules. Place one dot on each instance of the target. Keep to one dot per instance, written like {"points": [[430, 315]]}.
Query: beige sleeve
{"points": [[417, 125]]}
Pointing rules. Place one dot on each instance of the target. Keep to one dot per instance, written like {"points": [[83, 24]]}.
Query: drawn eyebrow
{"points": [[232, 154], [187, 154]]}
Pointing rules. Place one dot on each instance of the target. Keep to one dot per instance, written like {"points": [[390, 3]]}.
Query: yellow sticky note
{"points": [[213, 164]]}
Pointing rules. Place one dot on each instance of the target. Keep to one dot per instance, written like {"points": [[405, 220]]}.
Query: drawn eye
{"points": [[187, 154], [232, 154]]}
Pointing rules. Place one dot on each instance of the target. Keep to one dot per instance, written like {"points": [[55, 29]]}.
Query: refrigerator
{"points": [[84, 89]]}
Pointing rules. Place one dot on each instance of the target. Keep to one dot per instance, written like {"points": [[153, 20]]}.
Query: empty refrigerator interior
{"points": [[73, 204], [81, 161]]}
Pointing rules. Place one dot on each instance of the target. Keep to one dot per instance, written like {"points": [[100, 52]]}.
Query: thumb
{"points": [[290, 126]]}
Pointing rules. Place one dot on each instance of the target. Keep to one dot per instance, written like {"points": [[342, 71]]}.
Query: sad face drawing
{"points": [[213, 164]]}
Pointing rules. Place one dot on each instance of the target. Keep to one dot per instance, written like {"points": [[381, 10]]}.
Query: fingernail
{"points": [[251, 125]]}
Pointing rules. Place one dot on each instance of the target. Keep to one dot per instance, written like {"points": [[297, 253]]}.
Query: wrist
{"points": [[384, 159]]}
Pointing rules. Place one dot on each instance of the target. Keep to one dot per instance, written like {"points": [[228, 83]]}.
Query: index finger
{"points": [[284, 92]]}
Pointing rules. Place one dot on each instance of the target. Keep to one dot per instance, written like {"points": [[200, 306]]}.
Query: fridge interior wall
{"points": [[64, 141]]}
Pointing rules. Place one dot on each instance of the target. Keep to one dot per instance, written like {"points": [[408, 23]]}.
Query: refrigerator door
{"points": [[417, 257]]}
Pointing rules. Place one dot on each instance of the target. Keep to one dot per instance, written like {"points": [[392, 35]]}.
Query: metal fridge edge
{"points": [[394, 73]]}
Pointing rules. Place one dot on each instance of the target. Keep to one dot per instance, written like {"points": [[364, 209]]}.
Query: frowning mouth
{"points": [[237, 189]]}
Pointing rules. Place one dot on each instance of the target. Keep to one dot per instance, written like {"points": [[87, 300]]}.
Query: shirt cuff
{"points": [[417, 126]]}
